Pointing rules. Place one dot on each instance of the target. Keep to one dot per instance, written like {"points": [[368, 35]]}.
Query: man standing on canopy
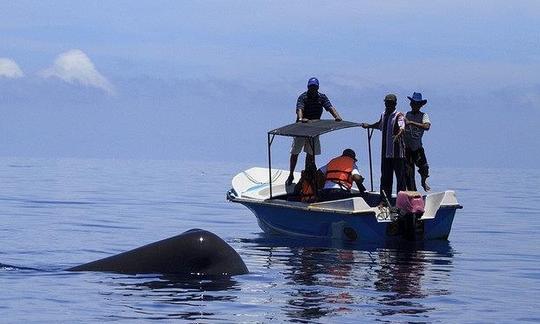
{"points": [[392, 126], [309, 106]]}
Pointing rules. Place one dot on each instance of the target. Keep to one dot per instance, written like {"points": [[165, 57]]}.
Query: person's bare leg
{"points": [[309, 160], [294, 160], [423, 169]]}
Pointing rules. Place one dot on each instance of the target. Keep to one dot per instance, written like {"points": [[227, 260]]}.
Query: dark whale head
{"points": [[193, 253]]}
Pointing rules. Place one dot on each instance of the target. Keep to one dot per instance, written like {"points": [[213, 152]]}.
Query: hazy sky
{"points": [[205, 80]]}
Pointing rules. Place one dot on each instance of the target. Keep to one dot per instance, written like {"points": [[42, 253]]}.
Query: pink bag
{"points": [[410, 202]]}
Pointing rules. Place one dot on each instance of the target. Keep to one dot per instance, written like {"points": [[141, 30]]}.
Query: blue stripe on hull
{"points": [[310, 223]]}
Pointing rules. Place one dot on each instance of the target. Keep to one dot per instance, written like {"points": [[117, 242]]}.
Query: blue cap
{"points": [[313, 81]]}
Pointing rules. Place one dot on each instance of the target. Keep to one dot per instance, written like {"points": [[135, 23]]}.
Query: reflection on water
{"points": [[176, 297], [323, 280], [316, 281], [295, 280], [310, 270], [401, 272]]}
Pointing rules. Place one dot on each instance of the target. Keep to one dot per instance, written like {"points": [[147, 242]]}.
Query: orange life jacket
{"points": [[339, 170], [307, 193]]}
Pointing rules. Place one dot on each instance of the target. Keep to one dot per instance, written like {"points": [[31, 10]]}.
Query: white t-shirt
{"points": [[329, 184]]}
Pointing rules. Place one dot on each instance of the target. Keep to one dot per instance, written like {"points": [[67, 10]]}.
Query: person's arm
{"points": [[359, 180], [426, 123], [335, 114], [300, 109], [300, 115], [376, 125], [328, 107], [424, 126]]}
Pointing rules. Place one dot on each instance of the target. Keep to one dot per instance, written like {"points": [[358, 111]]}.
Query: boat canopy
{"points": [[312, 128]]}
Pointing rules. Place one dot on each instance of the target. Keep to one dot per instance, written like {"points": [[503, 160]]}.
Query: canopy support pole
{"points": [[312, 143], [270, 140], [369, 134]]}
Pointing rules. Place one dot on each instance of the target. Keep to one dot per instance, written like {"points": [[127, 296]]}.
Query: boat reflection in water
{"points": [[348, 281], [407, 275]]}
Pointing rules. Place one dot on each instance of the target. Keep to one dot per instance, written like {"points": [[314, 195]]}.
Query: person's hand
{"points": [[338, 119], [362, 188], [364, 125]]}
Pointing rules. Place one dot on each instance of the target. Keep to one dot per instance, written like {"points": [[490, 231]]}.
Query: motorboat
{"points": [[362, 217]]}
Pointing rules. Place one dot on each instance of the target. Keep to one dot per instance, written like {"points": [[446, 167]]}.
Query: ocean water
{"points": [[59, 213]]}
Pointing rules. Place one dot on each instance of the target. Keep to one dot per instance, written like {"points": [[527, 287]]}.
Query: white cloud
{"points": [[9, 69], [74, 66]]}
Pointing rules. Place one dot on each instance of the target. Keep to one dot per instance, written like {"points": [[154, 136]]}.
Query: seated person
{"points": [[309, 184], [339, 174]]}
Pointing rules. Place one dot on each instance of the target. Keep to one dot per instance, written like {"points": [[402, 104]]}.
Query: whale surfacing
{"points": [[195, 252]]}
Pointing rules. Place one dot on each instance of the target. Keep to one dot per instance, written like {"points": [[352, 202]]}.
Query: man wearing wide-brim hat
{"points": [[392, 125], [416, 123]]}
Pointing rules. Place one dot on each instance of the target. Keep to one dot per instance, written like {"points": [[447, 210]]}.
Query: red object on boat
{"points": [[410, 202]]}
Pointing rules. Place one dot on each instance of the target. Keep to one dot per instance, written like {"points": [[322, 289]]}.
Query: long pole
{"points": [[269, 165], [369, 134]]}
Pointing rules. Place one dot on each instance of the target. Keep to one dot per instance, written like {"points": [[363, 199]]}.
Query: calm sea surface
{"points": [[59, 213]]}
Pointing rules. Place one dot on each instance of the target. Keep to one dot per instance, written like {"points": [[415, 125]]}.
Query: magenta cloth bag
{"points": [[410, 202]]}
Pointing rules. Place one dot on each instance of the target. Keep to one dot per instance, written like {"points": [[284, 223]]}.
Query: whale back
{"points": [[195, 252]]}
